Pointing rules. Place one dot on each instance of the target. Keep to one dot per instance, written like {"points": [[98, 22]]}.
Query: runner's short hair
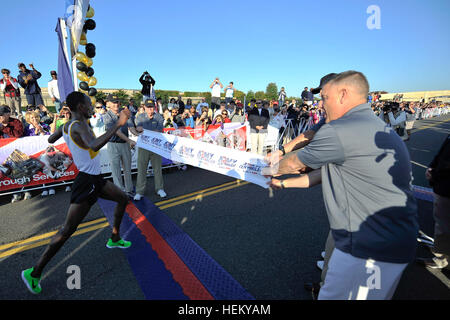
{"points": [[74, 99]]}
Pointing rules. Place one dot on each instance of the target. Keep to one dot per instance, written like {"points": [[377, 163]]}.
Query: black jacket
{"points": [[258, 120], [146, 84], [440, 180]]}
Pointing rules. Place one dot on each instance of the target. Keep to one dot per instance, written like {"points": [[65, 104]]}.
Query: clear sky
{"points": [[186, 44]]}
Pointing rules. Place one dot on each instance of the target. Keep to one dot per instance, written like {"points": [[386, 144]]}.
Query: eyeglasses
{"points": [[224, 114]]}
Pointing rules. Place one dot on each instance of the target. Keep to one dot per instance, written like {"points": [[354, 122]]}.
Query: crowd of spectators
{"points": [[289, 117]]}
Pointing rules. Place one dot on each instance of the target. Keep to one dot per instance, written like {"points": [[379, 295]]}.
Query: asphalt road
{"points": [[269, 242]]}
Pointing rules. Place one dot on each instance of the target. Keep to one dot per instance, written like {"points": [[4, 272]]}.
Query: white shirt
{"points": [[98, 126], [229, 92], [397, 121], [215, 91], [53, 89], [86, 160]]}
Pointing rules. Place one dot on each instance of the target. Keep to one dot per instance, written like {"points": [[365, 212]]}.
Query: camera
{"points": [[391, 107]]}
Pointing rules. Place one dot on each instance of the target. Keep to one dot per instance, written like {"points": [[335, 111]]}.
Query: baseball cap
{"points": [[4, 109], [112, 98], [323, 82], [21, 64], [53, 72], [149, 103]]}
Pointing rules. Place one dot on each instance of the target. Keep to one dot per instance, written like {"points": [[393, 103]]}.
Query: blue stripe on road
{"points": [[155, 280], [216, 280]]}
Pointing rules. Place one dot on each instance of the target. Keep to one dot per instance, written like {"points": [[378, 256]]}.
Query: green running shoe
{"points": [[122, 244], [32, 283]]}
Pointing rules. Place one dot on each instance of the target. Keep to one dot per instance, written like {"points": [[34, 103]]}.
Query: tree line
{"points": [[271, 93]]}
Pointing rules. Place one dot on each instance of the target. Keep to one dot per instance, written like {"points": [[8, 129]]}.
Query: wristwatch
{"points": [[282, 150]]}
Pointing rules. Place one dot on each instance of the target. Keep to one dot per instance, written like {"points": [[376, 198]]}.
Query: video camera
{"points": [[391, 107]]}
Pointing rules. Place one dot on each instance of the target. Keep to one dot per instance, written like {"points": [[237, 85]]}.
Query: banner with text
{"points": [[32, 161], [234, 163], [231, 135]]}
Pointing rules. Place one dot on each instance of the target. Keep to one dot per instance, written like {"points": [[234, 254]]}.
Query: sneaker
{"points": [[161, 193], [433, 263], [44, 193], [32, 283], [121, 244], [27, 196], [68, 189], [138, 197], [16, 197], [51, 192], [320, 264]]}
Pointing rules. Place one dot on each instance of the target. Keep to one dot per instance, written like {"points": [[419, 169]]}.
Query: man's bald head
{"points": [[353, 79]]}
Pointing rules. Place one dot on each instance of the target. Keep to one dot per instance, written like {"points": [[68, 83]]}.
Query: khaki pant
{"points": [[120, 158], [258, 140], [351, 278], [144, 156], [14, 104]]}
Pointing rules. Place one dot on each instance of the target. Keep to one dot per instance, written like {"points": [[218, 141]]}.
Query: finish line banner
{"points": [[234, 163]]}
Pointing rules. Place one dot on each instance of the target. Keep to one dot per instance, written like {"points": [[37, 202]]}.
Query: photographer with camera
{"points": [[10, 87], [394, 114], [216, 86], [148, 83], [411, 113], [28, 80]]}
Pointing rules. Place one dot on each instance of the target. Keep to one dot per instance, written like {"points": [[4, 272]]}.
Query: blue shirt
{"points": [[32, 86], [190, 122]]}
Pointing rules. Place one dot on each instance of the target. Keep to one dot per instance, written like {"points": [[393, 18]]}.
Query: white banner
{"points": [[234, 163]]}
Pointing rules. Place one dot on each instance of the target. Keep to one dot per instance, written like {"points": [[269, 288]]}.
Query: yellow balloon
{"points": [[80, 56], [83, 42], [92, 81], [82, 76], [88, 62], [90, 13], [93, 100]]}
